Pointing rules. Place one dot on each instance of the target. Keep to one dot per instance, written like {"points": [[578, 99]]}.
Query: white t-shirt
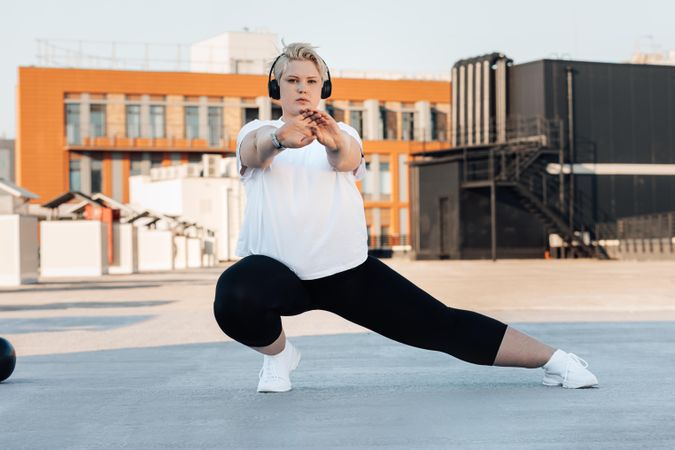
{"points": [[303, 212]]}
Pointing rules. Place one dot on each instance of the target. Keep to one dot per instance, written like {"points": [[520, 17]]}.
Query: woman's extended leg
{"points": [[520, 350], [375, 296]]}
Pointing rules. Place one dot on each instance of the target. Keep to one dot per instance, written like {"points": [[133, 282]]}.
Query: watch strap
{"points": [[276, 142]]}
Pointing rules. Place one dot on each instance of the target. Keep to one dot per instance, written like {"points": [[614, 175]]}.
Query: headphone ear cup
{"points": [[326, 89], [273, 89]]}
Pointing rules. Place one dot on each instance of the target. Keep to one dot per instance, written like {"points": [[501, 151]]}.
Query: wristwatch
{"points": [[276, 142]]}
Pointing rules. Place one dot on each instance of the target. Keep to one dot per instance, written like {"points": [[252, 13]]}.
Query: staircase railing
{"points": [[584, 215], [525, 169]]}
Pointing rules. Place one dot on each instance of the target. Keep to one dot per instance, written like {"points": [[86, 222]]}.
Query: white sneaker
{"points": [[275, 373], [567, 370]]}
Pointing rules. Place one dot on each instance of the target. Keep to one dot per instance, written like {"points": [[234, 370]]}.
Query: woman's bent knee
{"points": [[232, 301], [244, 305], [239, 319]]}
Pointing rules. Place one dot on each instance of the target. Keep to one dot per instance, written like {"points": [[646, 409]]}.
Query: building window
{"points": [[383, 121], [356, 121], [157, 122], [96, 120], [96, 173], [403, 220], [133, 121], [439, 125], [338, 114], [368, 185], [156, 160], [215, 125], [250, 114], [175, 159], [116, 175], [276, 112], [403, 178], [6, 165], [385, 181], [136, 164], [407, 126], [194, 158], [191, 122], [386, 236], [388, 118], [73, 124], [74, 175]]}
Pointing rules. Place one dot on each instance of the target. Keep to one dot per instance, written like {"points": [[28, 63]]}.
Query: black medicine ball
{"points": [[7, 359]]}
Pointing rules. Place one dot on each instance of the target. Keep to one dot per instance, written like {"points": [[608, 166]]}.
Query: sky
{"points": [[425, 36]]}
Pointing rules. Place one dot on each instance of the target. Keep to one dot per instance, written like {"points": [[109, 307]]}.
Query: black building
{"points": [[541, 148]]}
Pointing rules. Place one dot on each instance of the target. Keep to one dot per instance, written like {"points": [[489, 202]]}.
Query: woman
{"points": [[304, 247]]}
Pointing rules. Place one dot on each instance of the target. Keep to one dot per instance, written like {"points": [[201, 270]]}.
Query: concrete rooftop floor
{"points": [[138, 362]]}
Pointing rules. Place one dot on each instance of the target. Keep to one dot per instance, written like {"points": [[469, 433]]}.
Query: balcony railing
{"points": [[141, 143], [387, 241]]}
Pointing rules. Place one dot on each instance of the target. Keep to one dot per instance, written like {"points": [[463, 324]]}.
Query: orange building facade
{"points": [[90, 130]]}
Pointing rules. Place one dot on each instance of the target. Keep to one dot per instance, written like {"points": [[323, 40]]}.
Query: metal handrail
{"points": [[647, 226]]}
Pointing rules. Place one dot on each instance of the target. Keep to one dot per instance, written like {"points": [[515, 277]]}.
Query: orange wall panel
{"points": [[41, 157], [107, 174], [126, 169]]}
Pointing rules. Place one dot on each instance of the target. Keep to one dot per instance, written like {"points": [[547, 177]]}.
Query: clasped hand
{"points": [[311, 125]]}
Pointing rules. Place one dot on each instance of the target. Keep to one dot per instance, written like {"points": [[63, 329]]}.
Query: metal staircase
{"points": [[539, 192], [521, 166]]}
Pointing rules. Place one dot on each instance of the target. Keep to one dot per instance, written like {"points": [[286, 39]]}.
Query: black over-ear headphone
{"points": [[274, 90]]}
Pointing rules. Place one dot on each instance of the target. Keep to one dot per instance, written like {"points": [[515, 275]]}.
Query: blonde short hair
{"points": [[299, 51]]}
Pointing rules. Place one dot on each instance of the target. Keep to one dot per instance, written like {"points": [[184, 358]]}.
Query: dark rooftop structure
{"points": [[549, 147]]}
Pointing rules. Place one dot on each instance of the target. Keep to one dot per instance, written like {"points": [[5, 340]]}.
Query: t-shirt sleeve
{"points": [[246, 129], [360, 171]]}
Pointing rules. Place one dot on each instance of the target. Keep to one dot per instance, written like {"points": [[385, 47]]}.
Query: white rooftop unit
{"points": [[248, 52], [14, 199], [215, 201], [18, 236]]}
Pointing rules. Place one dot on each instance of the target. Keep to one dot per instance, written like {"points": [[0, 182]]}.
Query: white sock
{"points": [[556, 362]]}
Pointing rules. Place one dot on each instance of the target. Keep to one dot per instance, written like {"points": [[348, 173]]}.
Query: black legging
{"points": [[253, 293]]}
